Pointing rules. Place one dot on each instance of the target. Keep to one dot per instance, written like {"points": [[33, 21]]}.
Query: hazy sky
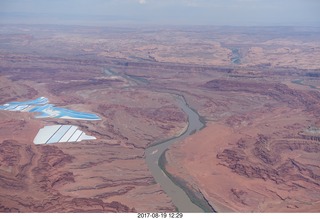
{"points": [[175, 12]]}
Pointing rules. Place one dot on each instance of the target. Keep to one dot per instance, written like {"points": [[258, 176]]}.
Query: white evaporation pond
{"points": [[86, 137], [60, 133], [75, 136], [45, 134], [68, 134]]}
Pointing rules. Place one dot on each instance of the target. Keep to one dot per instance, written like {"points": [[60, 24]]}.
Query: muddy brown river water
{"points": [[179, 197]]}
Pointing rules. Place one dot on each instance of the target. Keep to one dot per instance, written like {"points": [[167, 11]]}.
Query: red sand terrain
{"points": [[260, 161], [256, 88]]}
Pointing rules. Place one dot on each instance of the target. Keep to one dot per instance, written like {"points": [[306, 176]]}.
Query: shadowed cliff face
{"points": [[31, 179], [277, 91], [273, 166]]}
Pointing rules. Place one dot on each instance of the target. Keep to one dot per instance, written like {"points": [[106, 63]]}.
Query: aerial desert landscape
{"points": [[230, 116]]}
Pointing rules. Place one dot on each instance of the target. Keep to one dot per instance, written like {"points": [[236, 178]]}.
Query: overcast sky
{"points": [[175, 12]]}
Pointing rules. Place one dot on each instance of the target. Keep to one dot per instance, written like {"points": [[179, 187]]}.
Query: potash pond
{"points": [[56, 133], [43, 109], [60, 134]]}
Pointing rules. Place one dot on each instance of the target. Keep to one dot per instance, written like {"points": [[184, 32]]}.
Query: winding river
{"points": [[153, 154]]}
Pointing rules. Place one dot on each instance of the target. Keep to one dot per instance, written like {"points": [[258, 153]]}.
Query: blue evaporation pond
{"points": [[41, 108], [38, 101], [75, 114], [45, 110], [13, 105]]}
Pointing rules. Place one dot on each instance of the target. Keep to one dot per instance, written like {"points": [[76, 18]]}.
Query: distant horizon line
{"points": [[154, 25], [27, 18]]}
